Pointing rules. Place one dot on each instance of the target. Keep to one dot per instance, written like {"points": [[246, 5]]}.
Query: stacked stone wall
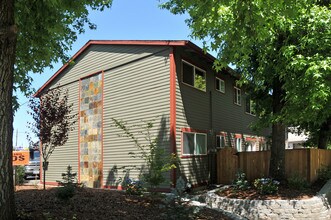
{"points": [[316, 208]]}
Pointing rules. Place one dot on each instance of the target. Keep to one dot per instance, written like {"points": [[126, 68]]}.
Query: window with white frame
{"points": [[250, 105], [194, 143], [220, 85], [263, 144], [220, 141], [193, 76], [237, 96], [238, 144]]}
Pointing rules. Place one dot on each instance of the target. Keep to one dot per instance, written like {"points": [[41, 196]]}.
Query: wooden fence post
{"points": [[227, 162]]}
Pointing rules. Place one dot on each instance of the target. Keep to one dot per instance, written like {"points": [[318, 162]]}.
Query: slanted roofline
{"points": [[173, 43]]}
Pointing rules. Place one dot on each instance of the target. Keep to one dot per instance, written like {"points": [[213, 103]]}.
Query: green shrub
{"points": [[69, 178], [241, 183], [133, 187], [157, 160], [69, 185], [19, 177], [266, 185], [296, 181], [324, 173]]}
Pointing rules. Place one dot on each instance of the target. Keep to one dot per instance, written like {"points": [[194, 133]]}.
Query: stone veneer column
{"points": [[91, 107]]}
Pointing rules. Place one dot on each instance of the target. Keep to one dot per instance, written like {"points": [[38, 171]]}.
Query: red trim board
{"points": [[173, 109], [102, 124], [79, 95]]}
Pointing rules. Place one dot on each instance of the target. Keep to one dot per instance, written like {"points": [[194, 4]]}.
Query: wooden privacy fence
{"points": [[304, 162]]}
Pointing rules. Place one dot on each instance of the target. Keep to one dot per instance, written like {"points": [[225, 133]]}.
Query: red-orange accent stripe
{"points": [[193, 156], [173, 109], [102, 115], [238, 136], [250, 139], [222, 133], [194, 130]]}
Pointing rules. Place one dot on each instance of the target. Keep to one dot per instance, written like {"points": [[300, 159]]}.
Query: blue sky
{"points": [[126, 20]]}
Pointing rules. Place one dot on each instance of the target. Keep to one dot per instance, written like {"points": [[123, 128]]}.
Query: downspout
{"points": [[211, 151]]}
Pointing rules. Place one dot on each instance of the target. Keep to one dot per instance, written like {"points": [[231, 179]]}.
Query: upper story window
{"points": [[194, 143], [220, 141], [237, 96], [194, 76], [220, 85], [250, 105]]}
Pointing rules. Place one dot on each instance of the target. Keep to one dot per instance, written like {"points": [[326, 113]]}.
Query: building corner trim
{"points": [[173, 109]]}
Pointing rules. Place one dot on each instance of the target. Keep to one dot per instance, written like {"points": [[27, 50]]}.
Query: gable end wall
{"points": [[136, 88]]}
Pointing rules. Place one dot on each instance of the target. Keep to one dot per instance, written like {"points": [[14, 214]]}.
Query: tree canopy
{"points": [[282, 50], [33, 35], [46, 32]]}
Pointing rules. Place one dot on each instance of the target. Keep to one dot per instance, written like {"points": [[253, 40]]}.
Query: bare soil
{"points": [[34, 203]]}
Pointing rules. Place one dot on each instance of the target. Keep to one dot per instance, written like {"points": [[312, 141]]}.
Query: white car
{"points": [[32, 169]]}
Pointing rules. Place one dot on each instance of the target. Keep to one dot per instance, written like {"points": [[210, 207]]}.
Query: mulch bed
{"points": [[33, 203], [284, 193]]}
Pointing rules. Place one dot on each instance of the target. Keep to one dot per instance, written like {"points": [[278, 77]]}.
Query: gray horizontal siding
{"points": [[67, 154], [192, 107], [135, 92], [102, 57], [135, 88], [228, 116], [208, 111]]}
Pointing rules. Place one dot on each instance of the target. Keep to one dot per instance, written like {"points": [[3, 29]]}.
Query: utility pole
{"points": [[16, 137]]}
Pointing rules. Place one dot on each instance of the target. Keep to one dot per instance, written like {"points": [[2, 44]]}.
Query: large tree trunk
{"points": [[8, 38], [277, 158], [324, 134]]}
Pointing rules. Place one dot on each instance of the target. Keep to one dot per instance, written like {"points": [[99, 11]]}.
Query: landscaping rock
{"points": [[316, 208]]}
